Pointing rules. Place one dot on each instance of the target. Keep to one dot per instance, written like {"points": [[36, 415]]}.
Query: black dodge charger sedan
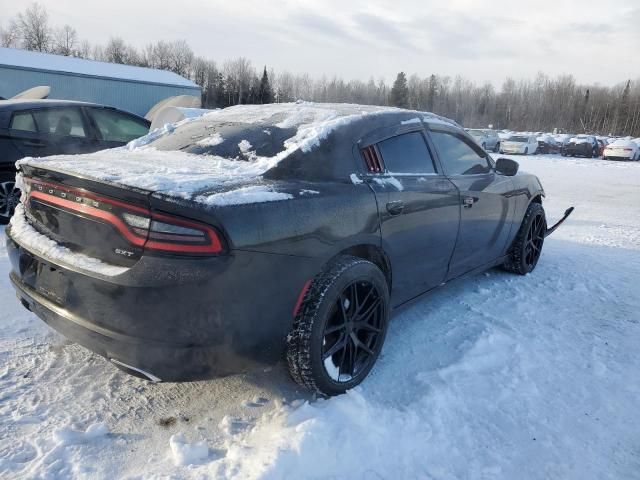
{"points": [[257, 233], [39, 128]]}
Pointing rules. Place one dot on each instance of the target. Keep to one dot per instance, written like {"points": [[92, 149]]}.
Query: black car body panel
{"points": [[185, 317]]}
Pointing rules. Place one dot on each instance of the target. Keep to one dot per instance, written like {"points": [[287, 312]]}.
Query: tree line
{"points": [[541, 104]]}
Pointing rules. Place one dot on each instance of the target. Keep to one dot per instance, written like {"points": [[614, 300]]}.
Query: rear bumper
{"points": [[220, 321]]}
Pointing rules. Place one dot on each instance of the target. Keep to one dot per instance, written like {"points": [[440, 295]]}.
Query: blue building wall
{"points": [[132, 96]]}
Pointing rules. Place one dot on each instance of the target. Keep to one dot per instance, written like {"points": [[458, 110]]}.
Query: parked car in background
{"points": [[582, 146], [547, 144], [519, 143], [622, 150], [354, 217], [486, 138], [39, 128]]}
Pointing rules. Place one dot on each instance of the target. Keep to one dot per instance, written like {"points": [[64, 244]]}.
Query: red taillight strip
{"points": [[89, 195], [214, 245], [93, 212]]}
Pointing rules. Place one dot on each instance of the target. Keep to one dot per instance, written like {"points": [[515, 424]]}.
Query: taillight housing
{"points": [[141, 227]]}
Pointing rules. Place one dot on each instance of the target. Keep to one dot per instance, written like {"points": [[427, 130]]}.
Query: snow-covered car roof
{"points": [[622, 142], [224, 147]]}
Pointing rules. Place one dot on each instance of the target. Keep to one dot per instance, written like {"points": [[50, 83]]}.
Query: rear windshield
{"points": [[517, 138], [476, 132], [232, 140]]}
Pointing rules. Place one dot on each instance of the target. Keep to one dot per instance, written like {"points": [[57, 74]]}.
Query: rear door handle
{"points": [[395, 208], [34, 143]]}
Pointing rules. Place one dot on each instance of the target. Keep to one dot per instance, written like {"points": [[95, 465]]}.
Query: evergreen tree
{"points": [[432, 92], [400, 92], [264, 92]]}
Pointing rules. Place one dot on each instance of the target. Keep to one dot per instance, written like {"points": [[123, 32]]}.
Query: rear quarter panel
{"points": [[318, 221]]}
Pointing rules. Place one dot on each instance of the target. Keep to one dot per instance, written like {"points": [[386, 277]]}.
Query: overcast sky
{"points": [[595, 40]]}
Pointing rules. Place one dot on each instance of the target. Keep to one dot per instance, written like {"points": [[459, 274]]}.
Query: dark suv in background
{"points": [[39, 128]]}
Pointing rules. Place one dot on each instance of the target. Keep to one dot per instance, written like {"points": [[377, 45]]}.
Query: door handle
{"points": [[469, 201], [395, 208], [34, 143]]}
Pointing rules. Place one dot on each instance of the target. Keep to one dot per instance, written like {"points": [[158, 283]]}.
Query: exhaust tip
{"points": [[135, 371]]}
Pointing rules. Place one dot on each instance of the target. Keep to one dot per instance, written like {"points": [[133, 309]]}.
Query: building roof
{"points": [[48, 62]]}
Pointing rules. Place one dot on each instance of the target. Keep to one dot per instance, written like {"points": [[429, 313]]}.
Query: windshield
{"points": [[517, 138]]}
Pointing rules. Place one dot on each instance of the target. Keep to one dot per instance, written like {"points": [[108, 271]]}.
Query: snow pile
{"points": [[244, 195], [41, 245], [68, 436], [187, 453], [211, 141]]}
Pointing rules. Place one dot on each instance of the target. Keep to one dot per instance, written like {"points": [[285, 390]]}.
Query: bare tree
{"points": [[180, 57], [116, 51], [34, 28], [65, 41], [10, 36]]}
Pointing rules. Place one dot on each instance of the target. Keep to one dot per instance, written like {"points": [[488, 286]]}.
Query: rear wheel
{"points": [[496, 149], [527, 247], [9, 197], [526, 151], [340, 327]]}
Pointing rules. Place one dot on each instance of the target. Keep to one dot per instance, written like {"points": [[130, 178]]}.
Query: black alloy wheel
{"points": [[535, 240], [9, 199], [352, 331], [340, 327], [526, 248]]}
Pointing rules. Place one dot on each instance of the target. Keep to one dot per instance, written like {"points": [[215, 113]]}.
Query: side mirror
{"points": [[507, 167]]}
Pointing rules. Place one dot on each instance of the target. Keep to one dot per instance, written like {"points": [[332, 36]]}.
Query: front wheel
{"points": [[340, 327], [496, 149], [9, 197], [527, 247]]}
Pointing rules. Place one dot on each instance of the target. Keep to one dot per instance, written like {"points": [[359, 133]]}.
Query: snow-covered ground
{"points": [[496, 376]]}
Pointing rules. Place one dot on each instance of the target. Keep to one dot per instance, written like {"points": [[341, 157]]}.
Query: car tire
{"points": [[329, 334], [526, 248], [496, 149], [484, 146], [9, 196], [526, 151]]}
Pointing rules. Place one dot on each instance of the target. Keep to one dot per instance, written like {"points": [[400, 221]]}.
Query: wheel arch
{"points": [[372, 253]]}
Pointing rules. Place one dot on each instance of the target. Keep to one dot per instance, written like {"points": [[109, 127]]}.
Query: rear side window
{"points": [[407, 153], [23, 121], [60, 122], [458, 156], [118, 127]]}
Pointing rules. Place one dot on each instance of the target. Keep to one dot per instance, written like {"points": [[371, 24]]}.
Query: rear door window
{"points": [[458, 156], [24, 122], [60, 122], [116, 126], [407, 153]]}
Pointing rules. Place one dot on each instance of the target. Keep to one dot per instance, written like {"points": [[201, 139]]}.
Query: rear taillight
{"points": [[141, 227]]}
